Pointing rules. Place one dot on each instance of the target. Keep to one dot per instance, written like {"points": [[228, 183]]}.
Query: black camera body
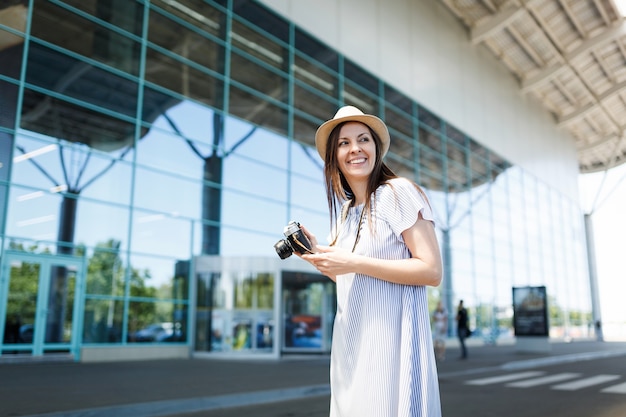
{"points": [[295, 241]]}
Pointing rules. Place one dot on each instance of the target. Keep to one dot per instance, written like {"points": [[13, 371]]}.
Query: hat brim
{"points": [[377, 125]]}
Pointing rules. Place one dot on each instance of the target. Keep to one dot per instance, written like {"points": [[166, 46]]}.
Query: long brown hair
{"points": [[338, 190]]}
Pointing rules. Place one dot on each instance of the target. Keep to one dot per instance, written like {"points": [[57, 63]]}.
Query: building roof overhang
{"points": [[570, 55]]}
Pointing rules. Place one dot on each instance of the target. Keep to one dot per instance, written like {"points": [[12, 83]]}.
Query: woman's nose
{"points": [[355, 147]]}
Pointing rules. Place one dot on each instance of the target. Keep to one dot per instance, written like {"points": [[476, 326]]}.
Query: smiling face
{"points": [[356, 152]]}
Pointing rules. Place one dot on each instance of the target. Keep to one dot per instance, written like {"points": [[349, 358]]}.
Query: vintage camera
{"points": [[295, 241]]}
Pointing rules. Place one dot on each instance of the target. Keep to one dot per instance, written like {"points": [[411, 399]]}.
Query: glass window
{"points": [[11, 49], [316, 50], [313, 105], [8, 100], [33, 214], [178, 196], [401, 166], [307, 181], [101, 176], [428, 119], [304, 128], [184, 124], [403, 146], [361, 78], [155, 322], [400, 101], [159, 277], [183, 78], [194, 38], [79, 80], [207, 18], [68, 187], [257, 47], [172, 154], [259, 78], [430, 162], [103, 320], [399, 121], [106, 270], [264, 181], [255, 109], [98, 223], [161, 234], [252, 213], [60, 26], [235, 311], [249, 142], [264, 19], [72, 123], [127, 16], [355, 95]]}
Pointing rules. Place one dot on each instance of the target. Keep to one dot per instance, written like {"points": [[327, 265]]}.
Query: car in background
{"points": [[157, 332]]}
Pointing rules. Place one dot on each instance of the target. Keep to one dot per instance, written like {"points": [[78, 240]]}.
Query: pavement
{"points": [[212, 387]]}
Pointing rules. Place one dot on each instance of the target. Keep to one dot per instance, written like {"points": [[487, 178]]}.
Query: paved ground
{"points": [[291, 386]]}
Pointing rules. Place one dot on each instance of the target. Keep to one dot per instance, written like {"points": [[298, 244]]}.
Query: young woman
{"points": [[384, 252]]}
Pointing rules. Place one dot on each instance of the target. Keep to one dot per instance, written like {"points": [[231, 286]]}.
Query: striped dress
{"points": [[382, 360]]}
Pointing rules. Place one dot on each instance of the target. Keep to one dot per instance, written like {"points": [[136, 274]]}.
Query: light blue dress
{"points": [[382, 359]]}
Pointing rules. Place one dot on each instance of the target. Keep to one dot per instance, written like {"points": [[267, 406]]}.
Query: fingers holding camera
{"points": [[331, 261], [310, 236]]}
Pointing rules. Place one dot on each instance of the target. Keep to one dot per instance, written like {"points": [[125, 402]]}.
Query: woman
{"points": [[440, 330], [384, 252]]}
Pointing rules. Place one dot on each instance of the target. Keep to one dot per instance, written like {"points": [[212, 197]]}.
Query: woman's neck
{"points": [[360, 193]]}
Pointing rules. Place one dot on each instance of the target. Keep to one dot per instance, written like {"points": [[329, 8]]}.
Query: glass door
{"points": [[308, 309], [39, 304]]}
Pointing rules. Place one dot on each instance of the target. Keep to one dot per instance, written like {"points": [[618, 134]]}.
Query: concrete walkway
{"points": [[176, 387]]}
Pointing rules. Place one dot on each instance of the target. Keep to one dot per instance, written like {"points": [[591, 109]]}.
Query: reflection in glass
{"points": [[105, 270], [156, 322], [83, 36], [161, 234], [165, 71], [235, 311], [159, 277], [309, 306], [21, 304], [60, 308], [59, 73], [103, 320]]}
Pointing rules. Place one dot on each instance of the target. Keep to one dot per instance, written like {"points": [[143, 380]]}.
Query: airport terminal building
{"points": [[152, 151]]}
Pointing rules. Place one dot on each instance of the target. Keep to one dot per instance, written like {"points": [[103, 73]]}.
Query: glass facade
{"points": [[136, 136]]}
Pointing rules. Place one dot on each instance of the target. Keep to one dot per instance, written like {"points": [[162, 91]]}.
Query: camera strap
{"points": [[358, 230]]}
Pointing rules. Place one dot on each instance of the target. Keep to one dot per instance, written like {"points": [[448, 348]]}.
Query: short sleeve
{"points": [[399, 204]]}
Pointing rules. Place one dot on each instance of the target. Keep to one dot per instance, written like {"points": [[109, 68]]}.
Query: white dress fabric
{"points": [[382, 360]]}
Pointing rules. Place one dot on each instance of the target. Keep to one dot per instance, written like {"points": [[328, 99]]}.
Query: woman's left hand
{"points": [[331, 261]]}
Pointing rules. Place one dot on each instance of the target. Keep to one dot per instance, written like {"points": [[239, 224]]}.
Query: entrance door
{"points": [[39, 304], [308, 309]]}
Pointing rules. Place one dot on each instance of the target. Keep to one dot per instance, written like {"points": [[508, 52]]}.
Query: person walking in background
{"points": [[440, 330], [462, 327], [383, 255]]}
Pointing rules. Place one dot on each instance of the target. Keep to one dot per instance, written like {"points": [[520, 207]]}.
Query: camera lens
{"points": [[283, 249]]}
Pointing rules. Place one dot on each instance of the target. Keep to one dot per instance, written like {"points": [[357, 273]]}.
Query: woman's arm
{"points": [[423, 268]]}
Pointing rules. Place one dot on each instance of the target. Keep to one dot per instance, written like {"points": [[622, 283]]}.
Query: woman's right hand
{"points": [[311, 238], [315, 248]]}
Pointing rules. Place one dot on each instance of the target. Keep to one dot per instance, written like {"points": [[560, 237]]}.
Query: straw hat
{"points": [[351, 114]]}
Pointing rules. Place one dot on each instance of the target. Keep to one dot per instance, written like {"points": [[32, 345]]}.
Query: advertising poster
{"points": [[530, 311]]}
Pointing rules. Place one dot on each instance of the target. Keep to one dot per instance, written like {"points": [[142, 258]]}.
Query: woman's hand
{"points": [[311, 237], [331, 261], [315, 248]]}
